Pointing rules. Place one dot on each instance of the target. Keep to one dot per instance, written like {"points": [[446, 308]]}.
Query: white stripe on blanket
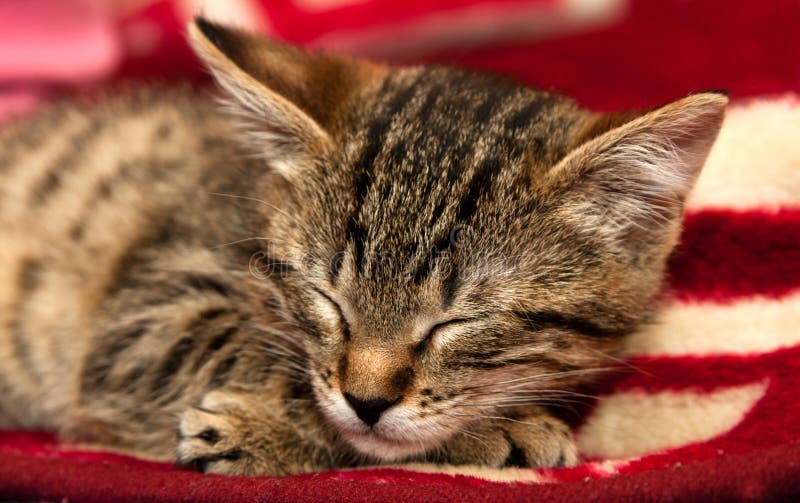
{"points": [[754, 325], [756, 160], [632, 424]]}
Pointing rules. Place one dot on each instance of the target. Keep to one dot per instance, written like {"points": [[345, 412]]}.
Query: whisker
{"points": [[231, 243], [497, 418], [524, 380], [517, 392], [622, 361]]}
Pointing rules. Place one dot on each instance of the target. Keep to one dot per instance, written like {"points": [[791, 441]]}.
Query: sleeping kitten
{"points": [[349, 263]]}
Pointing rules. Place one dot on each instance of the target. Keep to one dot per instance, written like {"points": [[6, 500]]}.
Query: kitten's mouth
{"points": [[384, 448], [396, 437], [387, 441]]}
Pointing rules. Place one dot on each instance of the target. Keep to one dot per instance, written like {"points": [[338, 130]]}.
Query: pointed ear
{"points": [[631, 181], [289, 99]]}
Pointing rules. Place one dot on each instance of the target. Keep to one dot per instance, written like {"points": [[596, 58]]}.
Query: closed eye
{"points": [[336, 307], [423, 345]]}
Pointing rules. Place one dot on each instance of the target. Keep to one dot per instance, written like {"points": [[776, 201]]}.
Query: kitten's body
{"points": [[135, 312], [80, 212]]}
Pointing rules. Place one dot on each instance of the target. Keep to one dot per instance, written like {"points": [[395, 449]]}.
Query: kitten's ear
{"points": [[631, 181], [288, 97]]}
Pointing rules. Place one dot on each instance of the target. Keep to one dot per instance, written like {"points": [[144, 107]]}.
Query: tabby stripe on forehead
{"points": [[482, 178], [426, 106], [521, 119], [507, 139], [524, 116], [450, 288], [399, 149], [493, 104], [375, 142], [358, 236], [478, 183], [481, 181], [376, 135], [460, 146], [55, 171], [427, 259], [541, 320]]}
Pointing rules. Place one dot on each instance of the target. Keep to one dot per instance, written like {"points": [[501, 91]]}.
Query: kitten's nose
{"points": [[369, 411]]}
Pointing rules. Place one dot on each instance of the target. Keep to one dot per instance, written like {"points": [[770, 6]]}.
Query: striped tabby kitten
{"points": [[359, 264]]}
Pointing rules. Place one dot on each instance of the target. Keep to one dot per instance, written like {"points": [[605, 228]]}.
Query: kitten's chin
{"points": [[384, 449], [387, 441], [396, 437]]}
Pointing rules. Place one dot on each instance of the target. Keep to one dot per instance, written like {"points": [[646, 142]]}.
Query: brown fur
{"points": [[445, 252]]}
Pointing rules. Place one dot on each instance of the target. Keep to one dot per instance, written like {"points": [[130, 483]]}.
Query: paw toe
{"points": [[209, 436], [210, 463]]}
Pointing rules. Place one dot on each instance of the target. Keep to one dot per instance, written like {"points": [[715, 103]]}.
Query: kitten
{"points": [[351, 264]]}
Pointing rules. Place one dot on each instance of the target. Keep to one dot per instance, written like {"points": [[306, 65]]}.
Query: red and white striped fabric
{"points": [[706, 407]]}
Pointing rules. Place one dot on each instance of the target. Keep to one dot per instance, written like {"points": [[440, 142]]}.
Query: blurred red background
{"points": [[606, 53]]}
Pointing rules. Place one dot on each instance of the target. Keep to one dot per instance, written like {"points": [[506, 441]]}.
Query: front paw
{"points": [[538, 441], [211, 437], [236, 434]]}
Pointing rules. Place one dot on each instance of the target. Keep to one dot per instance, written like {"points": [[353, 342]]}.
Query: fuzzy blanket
{"points": [[705, 406]]}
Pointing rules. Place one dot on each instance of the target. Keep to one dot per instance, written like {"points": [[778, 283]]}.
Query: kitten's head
{"points": [[454, 245]]}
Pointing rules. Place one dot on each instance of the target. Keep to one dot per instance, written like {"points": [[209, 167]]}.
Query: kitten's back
{"points": [[81, 185]]}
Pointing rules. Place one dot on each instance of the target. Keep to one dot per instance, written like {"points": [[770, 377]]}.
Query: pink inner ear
{"points": [[56, 41]]}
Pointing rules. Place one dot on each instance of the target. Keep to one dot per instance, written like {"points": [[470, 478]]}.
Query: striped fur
{"points": [[242, 289]]}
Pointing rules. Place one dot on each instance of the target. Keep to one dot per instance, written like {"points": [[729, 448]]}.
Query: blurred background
{"points": [[606, 53]]}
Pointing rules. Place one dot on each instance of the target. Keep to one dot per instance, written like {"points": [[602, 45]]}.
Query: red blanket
{"points": [[706, 408]]}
